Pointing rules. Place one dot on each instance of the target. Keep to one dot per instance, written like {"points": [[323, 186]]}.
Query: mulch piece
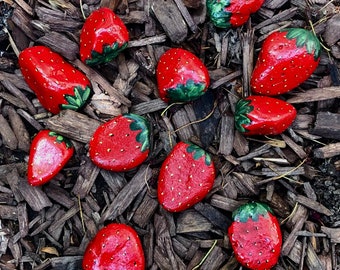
{"points": [[296, 173]]}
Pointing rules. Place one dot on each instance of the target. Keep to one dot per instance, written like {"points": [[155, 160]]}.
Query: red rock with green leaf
{"points": [[287, 58], [186, 177], [181, 76], [115, 246], [103, 36], [231, 13], [56, 83], [263, 115], [49, 153], [121, 144], [255, 236]]}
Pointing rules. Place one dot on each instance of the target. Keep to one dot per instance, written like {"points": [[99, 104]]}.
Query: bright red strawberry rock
{"points": [[255, 236], [181, 76], [49, 152], [116, 246], [57, 84], [121, 144], [103, 37], [185, 178], [287, 58], [231, 13], [262, 115]]}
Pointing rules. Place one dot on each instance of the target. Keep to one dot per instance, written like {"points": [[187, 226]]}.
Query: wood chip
{"points": [[73, 125], [315, 94], [127, 194], [174, 24], [327, 125]]}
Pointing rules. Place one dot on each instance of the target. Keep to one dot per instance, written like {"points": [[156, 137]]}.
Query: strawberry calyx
{"points": [[219, 15], [252, 210], [197, 152], [139, 123], [109, 52], [186, 92], [242, 109], [61, 139], [305, 38], [74, 102]]}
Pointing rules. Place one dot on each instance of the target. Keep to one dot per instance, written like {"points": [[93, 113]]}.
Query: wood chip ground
{"points": [[296, 173]]}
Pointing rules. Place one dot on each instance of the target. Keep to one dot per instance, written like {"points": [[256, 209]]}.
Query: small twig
{"points": [[167, 108], [206, 256], [197, 121], [313, 30], [82, 9], [291, 214], [11, 41], [292, 170], [81, 215]]}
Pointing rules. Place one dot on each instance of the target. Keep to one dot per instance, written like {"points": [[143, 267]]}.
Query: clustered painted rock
{"points": [[231, 13], [181, 76], [116, 246], [288, 57], [255, 236], [185, 178]]}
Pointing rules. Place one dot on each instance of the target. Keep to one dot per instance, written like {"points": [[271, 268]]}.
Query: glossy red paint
{"points": [[287, 59], [103, 36], [121, 144], [116, 246], [255, 236], [185, 178], [262, 115], [181, 76], [57, 84], [232, 13], [49, 153]]}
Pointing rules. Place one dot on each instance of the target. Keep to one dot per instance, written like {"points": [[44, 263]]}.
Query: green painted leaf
{"points": [[242, 109], [218, 14], [305, 38], [251, 210], [142, 124], [198, 152], [186, 92], [60, 139], [78, 100], [109, 53]]}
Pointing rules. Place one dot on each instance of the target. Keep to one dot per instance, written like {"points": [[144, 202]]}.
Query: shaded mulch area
{"points": [[296, 173]]}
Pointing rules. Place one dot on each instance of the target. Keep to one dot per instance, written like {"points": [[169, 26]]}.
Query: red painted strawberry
{"points": [[181, 76], [116, 246], [57, 84], [255, 236], [103, 37], [49, 153], [231, 13], [121, 144], [185, 178], [262, 115], [287, 58]]}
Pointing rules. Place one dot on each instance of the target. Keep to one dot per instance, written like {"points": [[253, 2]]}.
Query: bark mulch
{"points": [[296, 173]]}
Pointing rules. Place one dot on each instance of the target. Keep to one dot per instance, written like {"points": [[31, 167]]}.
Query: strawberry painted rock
{"points": [[49, 152], [57, 84], [287, 58], [255, 236], [181, 76], [121, 144], [116, 246], [103, 37], [262, 115], [231, 13], [185, 178]]}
